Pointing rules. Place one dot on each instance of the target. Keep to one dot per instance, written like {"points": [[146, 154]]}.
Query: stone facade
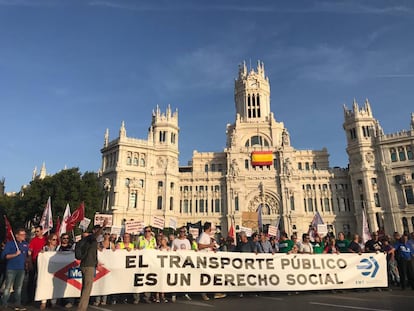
{"points": [[142, 178], [381, 169]]}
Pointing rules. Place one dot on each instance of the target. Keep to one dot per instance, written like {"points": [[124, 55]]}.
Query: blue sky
{"points": [[70, 69]]}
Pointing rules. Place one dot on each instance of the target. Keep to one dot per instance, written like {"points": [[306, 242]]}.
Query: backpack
{"points": [[81, 249]]}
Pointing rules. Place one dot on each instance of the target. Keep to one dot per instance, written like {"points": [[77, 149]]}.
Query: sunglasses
{"points": [[54, 239], [107, 234]]}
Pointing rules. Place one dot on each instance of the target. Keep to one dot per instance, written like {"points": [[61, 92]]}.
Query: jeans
{"points": [[13, 278]]}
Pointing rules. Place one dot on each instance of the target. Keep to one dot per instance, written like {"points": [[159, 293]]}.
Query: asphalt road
{"points": [[396, 299]]}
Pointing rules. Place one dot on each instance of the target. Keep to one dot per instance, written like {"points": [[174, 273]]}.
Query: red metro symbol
{"points": [[71, 274]]}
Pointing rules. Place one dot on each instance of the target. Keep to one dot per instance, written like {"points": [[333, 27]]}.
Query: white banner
{"points": [[154, 271], [99, 219], [158, 222]]}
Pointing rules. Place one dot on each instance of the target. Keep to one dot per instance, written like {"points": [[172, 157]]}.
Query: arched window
{"points": [[142, 162], [257, 141]]}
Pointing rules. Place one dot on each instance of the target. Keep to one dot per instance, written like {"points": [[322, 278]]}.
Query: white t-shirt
{"points": [[204, 239], [181, 244]]}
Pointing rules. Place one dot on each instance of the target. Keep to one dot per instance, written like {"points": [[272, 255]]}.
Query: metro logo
{"points": [[72, 274]]}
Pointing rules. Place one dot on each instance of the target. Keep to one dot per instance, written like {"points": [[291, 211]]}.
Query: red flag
{"points": [[232, 233], [57, 229], [9, 230], [76, 217]]}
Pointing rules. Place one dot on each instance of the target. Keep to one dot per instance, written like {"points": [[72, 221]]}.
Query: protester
{"points": [[51, 246], [285, 245], [405, 262], [317, 245], [88, 264], [207, 244], [305, 247], [264, 245], [16, 254], [354, 246], [374, 245], [342, 244], [36, 245]]}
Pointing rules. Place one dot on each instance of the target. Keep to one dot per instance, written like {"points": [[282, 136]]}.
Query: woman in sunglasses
{"points": [[51, 246]]}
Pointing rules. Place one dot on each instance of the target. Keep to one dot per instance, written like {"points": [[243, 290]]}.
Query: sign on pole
{"points": [[134, 226], [84, 224], [158, 222], [99, 219]]}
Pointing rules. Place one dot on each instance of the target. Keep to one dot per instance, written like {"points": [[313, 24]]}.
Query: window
{"points": [[173, 138], [159, 202], [185, 206], [300, 166], [141, 183], [326, 205], [409, 153], [393, 155], [213, 167], [205, 168], [314, 165], [135, 160], [246, 164], [201, 206], [160, 184], [377, 199], [217, 205], [129, 159], [401, 153], [341, 204], [405, 224], [171, 203], [127, 182], [307, 166], [133, 200], [220, 167], [256, 141], [142, 162], [325, 187], [409, 195], [236, 203], [352, 133], [292, 203], [373, 181], [310, 205], [162, 136]]}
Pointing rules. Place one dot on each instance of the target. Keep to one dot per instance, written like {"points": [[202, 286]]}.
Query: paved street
{"points": [[396, 300]]}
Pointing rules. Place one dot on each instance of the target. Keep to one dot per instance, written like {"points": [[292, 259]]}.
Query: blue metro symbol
{"points": [[368, 265]]}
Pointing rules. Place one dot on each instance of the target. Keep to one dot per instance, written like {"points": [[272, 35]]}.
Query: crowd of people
{"points": [[19, 258]]}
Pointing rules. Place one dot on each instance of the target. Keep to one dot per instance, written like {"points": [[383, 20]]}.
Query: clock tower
{"points": [[252, 94]]}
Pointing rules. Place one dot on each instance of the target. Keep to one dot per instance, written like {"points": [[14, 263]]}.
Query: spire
{"points": [[43, 171], [34, 174], [122, 130], [106, 138], [368, 107]]}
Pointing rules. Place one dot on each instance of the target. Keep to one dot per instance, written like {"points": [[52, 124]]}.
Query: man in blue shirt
{"points": [[15, 253], [404, 257]]}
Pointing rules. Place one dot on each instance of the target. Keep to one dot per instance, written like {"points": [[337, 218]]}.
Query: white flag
{"points": [[64, 220], [366, 235], [47, 220]]}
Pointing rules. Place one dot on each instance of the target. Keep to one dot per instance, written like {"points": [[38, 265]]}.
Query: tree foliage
{"points": [[66, 187]]}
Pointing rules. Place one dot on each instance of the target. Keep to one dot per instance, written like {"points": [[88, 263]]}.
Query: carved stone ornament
{"points": [[369, 157]]}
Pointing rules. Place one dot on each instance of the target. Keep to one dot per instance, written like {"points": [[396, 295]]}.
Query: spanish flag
{"points": [[262, 158]]}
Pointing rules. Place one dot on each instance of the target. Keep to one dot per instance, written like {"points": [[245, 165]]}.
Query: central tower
{"points": [[252, 94]]}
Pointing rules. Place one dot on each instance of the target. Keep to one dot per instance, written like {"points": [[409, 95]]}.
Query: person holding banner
{"points": [[36, 245], [16, 254], [88, 265], [207, 244]]}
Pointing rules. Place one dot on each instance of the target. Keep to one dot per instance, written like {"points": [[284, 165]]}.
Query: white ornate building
{"points": [[258, 168]]}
